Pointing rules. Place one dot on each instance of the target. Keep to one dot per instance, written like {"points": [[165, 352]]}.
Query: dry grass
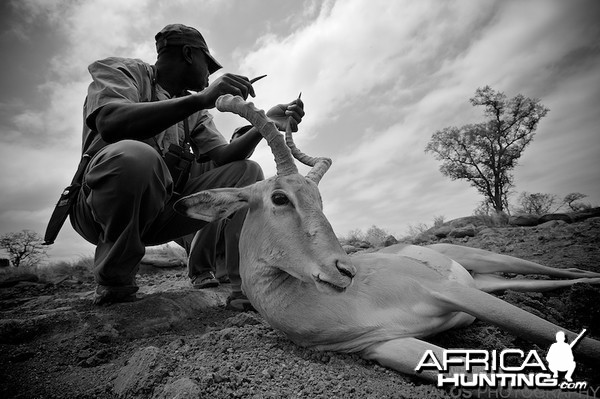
{"points": [[81, 268]]}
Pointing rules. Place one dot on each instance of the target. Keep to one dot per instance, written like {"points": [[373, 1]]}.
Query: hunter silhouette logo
{"points": [[509, 368], [560, 355]]}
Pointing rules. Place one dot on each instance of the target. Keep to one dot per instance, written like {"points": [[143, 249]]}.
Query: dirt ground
{"points": [[177, 342]]}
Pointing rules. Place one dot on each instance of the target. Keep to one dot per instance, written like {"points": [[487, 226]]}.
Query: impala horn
{"points": [[283, 157], [319, 165]]}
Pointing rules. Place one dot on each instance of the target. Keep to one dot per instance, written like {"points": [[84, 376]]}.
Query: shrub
{"points": [[415, 230], [376, 236]]}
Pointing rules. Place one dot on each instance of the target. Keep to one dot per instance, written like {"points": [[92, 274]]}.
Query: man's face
{"points": [[198, 77]]}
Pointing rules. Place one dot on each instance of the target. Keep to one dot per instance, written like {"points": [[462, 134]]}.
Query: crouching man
{"points": [[143, 130]]}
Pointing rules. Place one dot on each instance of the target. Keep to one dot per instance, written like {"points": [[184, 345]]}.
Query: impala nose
{"points": [[327, 280], [346, 269]]}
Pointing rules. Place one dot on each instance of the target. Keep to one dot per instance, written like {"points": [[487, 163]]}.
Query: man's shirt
{"points": [[126, 80]]}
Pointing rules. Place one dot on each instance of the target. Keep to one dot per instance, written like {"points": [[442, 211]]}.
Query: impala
{"points": [[380, 304]]}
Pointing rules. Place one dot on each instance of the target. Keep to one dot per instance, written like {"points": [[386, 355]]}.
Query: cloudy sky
{"points": [[378, 78]]}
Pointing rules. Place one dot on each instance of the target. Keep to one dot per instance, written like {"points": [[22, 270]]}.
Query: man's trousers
{"points": [[126, 204]]}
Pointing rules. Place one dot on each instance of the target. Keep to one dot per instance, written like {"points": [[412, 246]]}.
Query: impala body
{"points": [[297, 275], [293, 264]]}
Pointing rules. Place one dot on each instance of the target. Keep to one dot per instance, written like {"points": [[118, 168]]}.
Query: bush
{"points": [[416, 230], [438, 220], [80, 270], [355, 235], [375, 236]]}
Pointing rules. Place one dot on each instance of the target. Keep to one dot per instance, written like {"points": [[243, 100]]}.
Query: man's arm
{"points": [[139, 121], [238, 149], [118, 121]]}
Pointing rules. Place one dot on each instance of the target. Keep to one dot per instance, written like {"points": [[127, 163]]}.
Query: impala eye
{"points": [[280, 199]]}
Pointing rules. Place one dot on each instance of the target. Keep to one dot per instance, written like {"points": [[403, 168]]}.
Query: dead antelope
{"points": [[381, 304]]}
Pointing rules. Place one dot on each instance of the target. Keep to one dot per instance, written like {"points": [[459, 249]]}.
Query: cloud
{"points": [[564, 155], [377, 77], [358, 51], [409, 69]]}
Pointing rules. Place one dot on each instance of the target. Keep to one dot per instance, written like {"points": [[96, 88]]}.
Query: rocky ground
{"points": [[177, 342]]}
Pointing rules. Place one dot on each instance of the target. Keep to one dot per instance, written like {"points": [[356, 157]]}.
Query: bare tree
{"points": [[485, 153], [536, 203], [24, 248], [570, 199]]}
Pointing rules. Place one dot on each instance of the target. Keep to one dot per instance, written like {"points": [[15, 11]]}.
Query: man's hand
{"points": [[228, 83], [281, 114]]}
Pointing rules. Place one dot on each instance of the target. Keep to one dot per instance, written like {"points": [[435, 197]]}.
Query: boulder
{"points": [[162, 262], [350, 249], [585, 214], [362, 244], [479, 221], [390, 240], [555, 216], [465, 231], [443, 231], [424, 238], [523, 220]]}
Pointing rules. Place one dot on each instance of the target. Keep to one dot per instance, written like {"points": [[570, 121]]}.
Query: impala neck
{"points": [[267, 287]]}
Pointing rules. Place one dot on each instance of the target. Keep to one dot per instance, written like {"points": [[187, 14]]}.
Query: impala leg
{"points": [[482, 261], [495, 283], [511, 318], [403, 355]]}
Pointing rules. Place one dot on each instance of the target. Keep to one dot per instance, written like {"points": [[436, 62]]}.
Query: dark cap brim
{"points": [[213, 64]]}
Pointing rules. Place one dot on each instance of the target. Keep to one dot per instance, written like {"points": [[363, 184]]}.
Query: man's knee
{"points": [[249, 171], [135, 157], [129, 161], [256, 169]]}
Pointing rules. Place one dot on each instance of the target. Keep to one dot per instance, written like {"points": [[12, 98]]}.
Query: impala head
{"points": [[285, 227]]}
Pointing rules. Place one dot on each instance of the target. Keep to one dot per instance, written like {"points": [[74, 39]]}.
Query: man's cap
{"points": [[179, 35]]}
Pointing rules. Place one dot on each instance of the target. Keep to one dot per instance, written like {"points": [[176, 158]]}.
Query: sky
{"points": [[377, 77]]}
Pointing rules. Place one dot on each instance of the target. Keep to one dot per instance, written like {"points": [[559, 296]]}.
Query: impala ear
{"points": [[212, 204]]}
